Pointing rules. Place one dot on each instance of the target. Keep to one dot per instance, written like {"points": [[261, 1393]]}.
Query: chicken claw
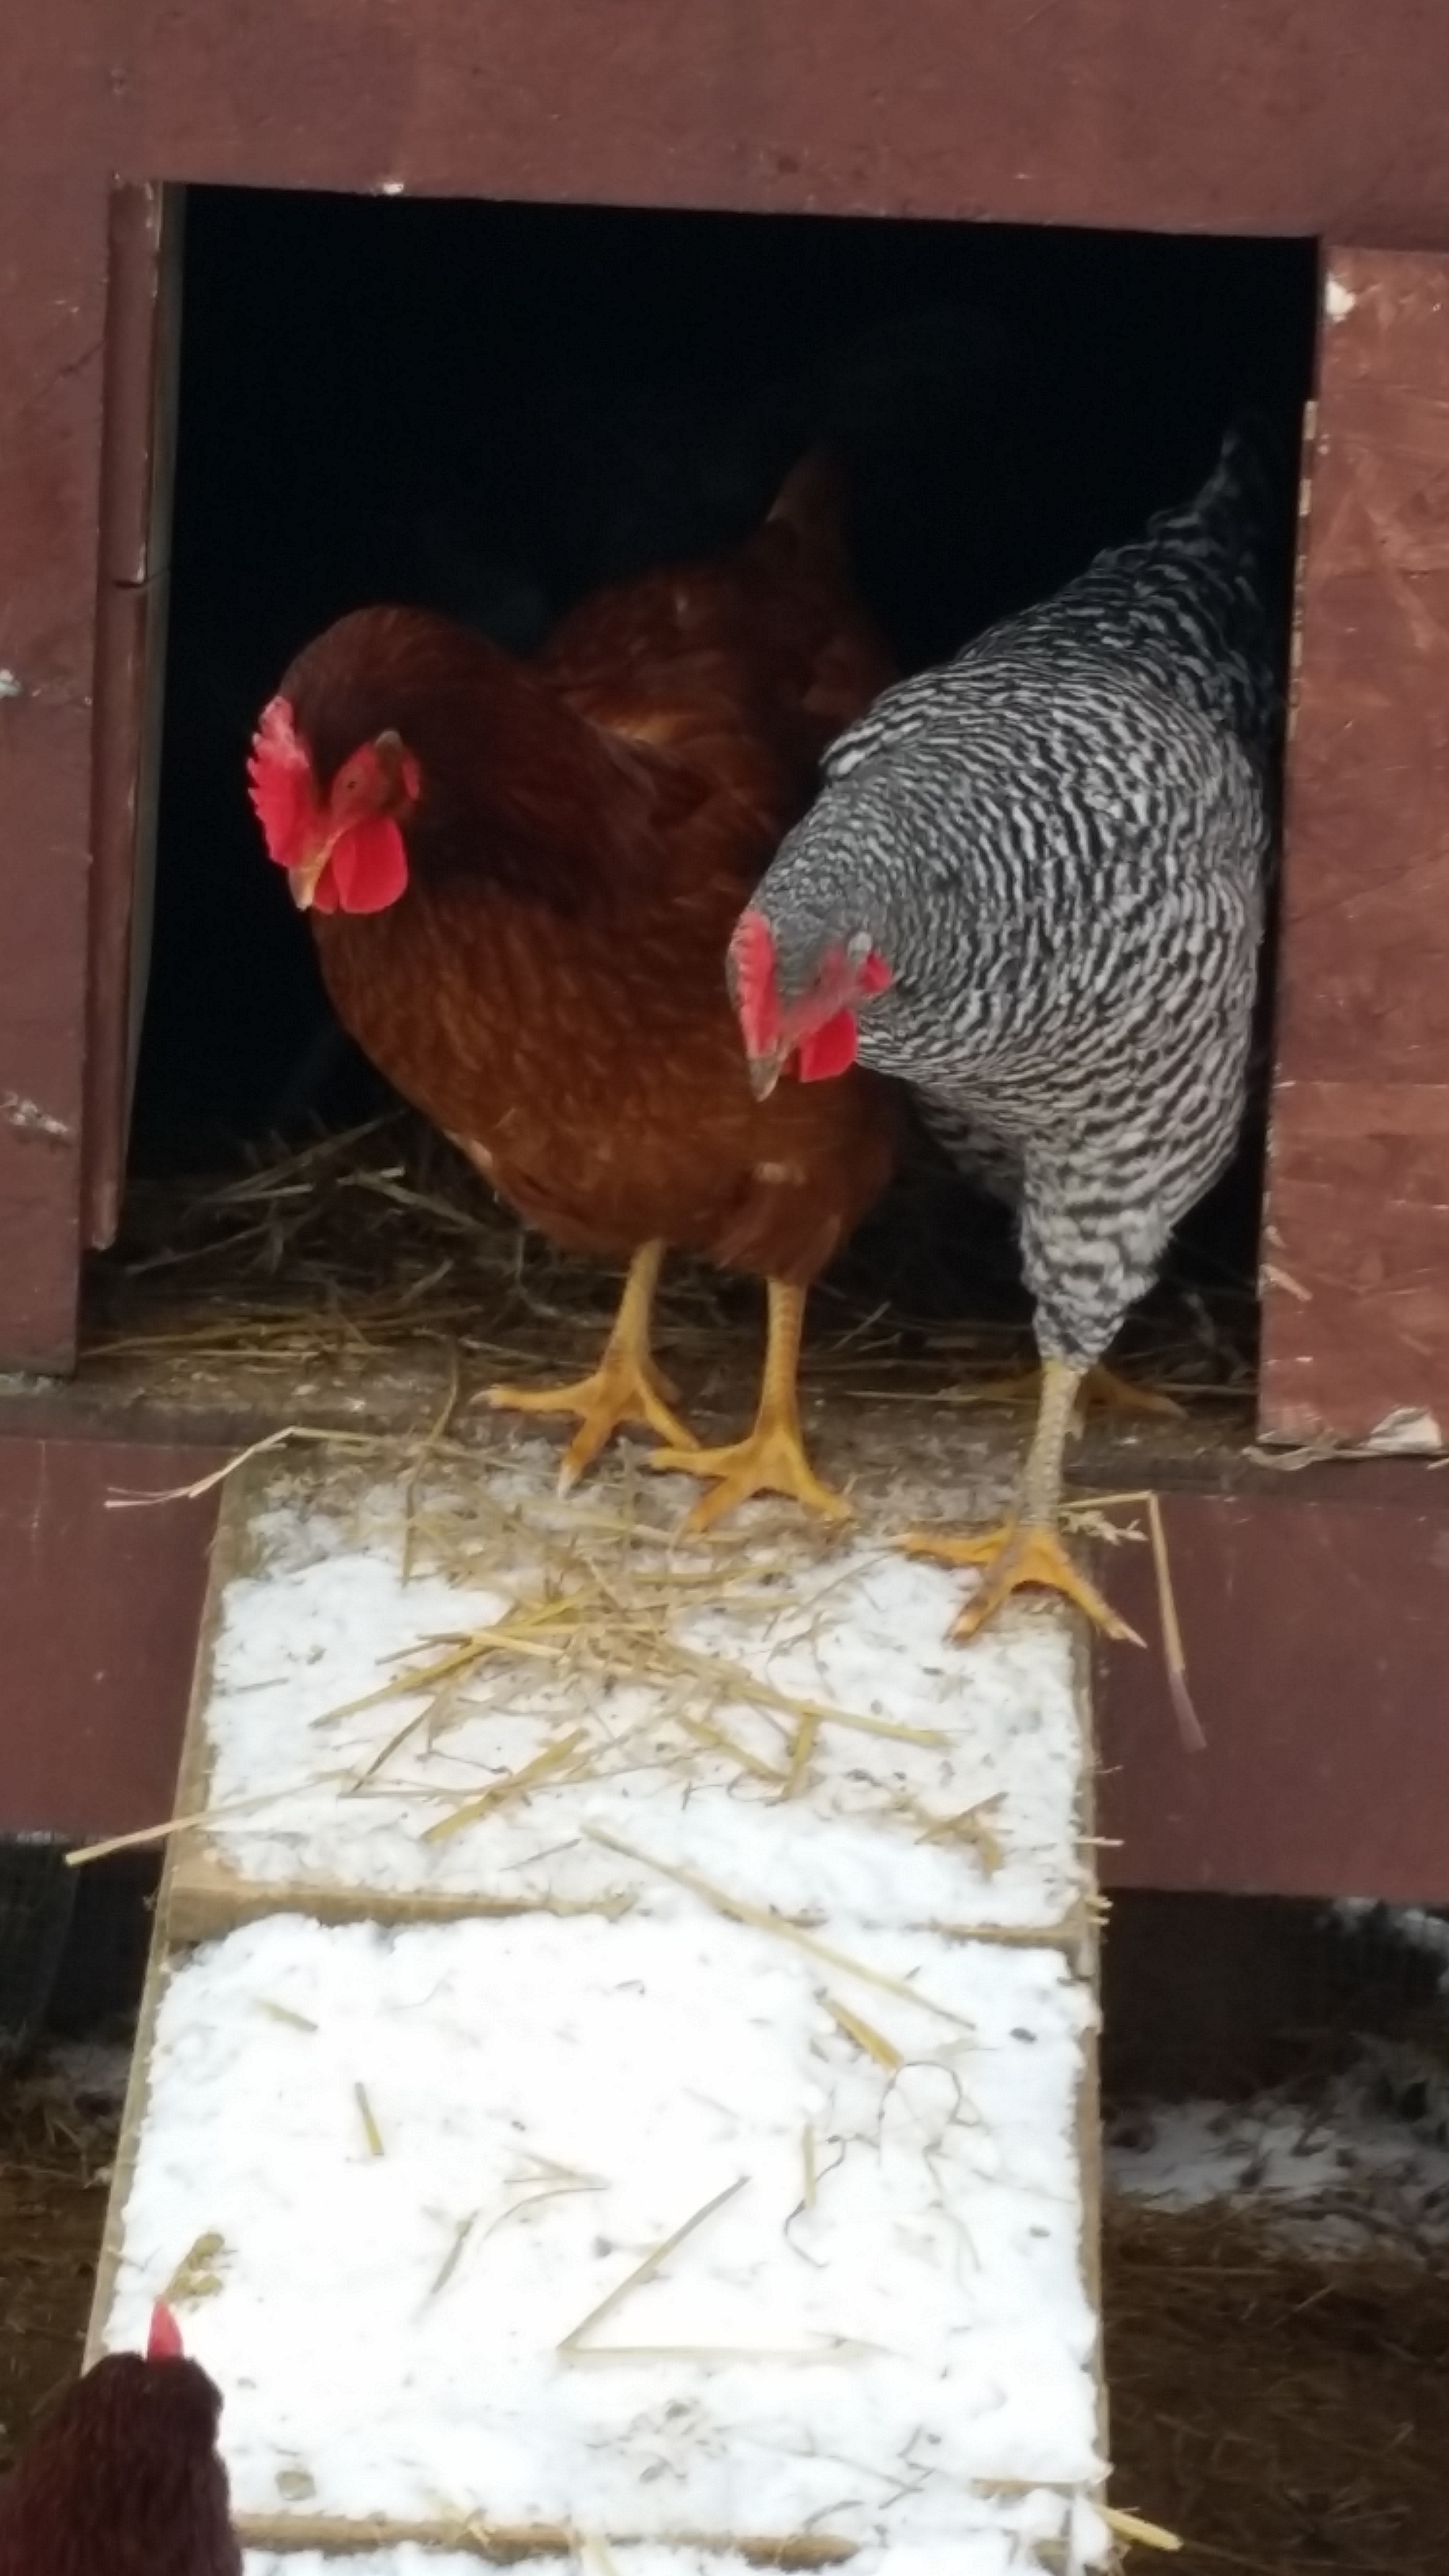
{"points": [[772, 1460], [1018, 1554], [625, 1387]]}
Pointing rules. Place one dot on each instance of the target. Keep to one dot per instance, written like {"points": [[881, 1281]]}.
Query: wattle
{"points": [[367, 871], [828, 1050]]}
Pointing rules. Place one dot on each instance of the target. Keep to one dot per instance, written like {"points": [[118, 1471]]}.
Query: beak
{"points": [[304, 879], [765, 1071]]}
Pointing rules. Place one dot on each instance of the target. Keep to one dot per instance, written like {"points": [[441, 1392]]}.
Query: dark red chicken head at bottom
{"points": [[344, 851], [812, 1029], [125, 2477]]}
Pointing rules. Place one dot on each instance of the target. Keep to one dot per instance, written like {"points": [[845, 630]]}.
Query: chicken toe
{"points": [[625, 1387], [1017, 1555], [1028, 1549], [772, 1459]]}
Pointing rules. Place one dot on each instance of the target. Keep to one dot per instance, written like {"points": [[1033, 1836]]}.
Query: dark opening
{"points": [[493, 409]]}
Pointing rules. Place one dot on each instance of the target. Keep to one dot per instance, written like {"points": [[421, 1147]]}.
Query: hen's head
{"points": [[126, 2472], [797, 997], [338, 835]]}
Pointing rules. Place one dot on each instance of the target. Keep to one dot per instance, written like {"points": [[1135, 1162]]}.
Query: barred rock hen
{"points": [[125, 2479], [1032, 887], [523, 877]]}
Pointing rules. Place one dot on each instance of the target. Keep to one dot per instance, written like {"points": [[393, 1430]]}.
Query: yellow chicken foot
{"points": [[625, 1387], [1100, 1389], [1028, 1549], [772, 1460]]}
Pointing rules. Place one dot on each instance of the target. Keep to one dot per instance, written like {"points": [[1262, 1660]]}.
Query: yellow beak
{"points": [[765, 1071], [304, 880]]}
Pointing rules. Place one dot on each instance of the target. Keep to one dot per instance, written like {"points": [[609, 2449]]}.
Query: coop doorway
{"points": [[493, 409]]}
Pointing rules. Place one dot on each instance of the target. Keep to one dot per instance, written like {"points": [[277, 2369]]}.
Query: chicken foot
{"points": [[625, 1387], [772, 1459], [1029, 1549]]}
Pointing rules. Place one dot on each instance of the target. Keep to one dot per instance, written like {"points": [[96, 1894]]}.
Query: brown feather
{"points": [[550, 989]]}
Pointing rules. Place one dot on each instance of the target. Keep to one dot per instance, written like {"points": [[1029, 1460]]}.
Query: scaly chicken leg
{"points": [[772, 1459], [1028, 1549], [1100, 1388], [625, 1387]]}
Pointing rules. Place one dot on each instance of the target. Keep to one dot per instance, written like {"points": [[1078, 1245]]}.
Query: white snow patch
{"points": [[648, 2066], [327, 1618], [1408, 1431], [1338, 300], [1338, 2168]]}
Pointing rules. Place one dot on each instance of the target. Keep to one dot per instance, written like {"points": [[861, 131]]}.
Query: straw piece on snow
{"points": [[719, 1742], [646, 2270], [552, 1758], [971, 1825], [370, 2129], [417, 1463], [800, 1753], [797, 2356], [333, 2536], [864, 2034], [743, 1684], [454, 2255], [759, 1919], [284, 2012], [118, 1500], [144, 1834]]}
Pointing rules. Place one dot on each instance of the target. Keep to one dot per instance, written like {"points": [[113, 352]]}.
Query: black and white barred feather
{"points": [[1058, 842]]}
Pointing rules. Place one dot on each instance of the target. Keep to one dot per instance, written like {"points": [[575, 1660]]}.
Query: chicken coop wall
{"points": [[1320, 118], [1291, 118]]}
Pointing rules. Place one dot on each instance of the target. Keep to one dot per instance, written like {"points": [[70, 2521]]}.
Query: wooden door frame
{"points": [[138, 449], [1325, 118]]}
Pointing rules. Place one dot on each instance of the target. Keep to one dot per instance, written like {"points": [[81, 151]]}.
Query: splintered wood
{"points": [[633, 2080]]}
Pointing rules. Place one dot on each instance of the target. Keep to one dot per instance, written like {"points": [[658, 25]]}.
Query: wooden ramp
{"points": [[617, 2071]]}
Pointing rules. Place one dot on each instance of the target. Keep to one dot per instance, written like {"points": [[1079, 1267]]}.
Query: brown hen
{"points": [[523, 879], [125, 2479]]}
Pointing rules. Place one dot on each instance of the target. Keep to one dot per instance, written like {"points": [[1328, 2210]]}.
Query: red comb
{"points": [[757, 1001], [164, 2341], [284, 798]]}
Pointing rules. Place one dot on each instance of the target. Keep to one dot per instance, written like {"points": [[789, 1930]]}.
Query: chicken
{"points": [[1033, 888], [125, 2479], [522, 878]]}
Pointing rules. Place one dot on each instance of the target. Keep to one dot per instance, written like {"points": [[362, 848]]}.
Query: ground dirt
{"points": [[59, 2117]]}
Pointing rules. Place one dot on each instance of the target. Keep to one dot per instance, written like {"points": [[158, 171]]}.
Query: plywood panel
{"points": [[51, 321], [143, 316], [1306, 116], [1314, 1633], [1356, 1274], [99, 1609]]}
